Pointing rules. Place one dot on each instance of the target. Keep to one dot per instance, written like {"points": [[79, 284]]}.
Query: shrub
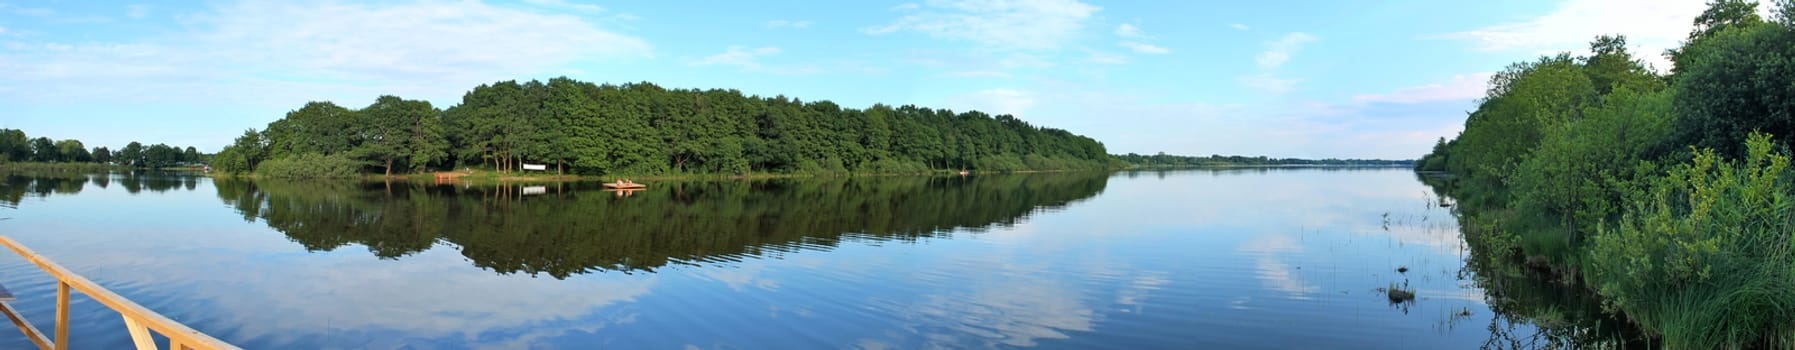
{"points": [[309, 166], [1702, 257]]}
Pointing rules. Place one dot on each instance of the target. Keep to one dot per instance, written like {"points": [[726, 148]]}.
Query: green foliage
{"points": [[1565, 147], [102, 155], [643, 129], [1736, 81], [14, 146], [1704, 255], [44, 150], [131, 155], [310, 166], [1575, 174]]}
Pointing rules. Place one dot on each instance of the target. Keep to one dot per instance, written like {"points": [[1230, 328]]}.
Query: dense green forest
{"points": [[575, 227], [1667, 195], [17, 147], [644, 129], [1176, 161]]}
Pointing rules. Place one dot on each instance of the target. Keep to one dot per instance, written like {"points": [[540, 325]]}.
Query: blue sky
{"points": [[1314, 79]]}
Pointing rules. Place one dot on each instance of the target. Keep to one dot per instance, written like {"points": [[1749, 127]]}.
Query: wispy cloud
{"points": [[1145, 48], [567, 5], [995, 24], [1238, 26], [1128, 31], [995, 101], [322, 44], [749, 59], [1135, 40], [1650, 25], [781, 23], [1276, 53], [1463, 87], [1279, 51], [746, 58]]}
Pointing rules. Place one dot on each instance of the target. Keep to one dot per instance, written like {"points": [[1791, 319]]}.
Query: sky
{"points": [[1308, 79]]}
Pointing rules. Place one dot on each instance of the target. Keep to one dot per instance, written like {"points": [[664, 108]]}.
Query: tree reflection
{"points": [[1535, 308], [574, 228]]}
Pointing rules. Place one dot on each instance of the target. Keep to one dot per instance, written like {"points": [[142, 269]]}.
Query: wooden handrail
{"points": [[138, 320]]}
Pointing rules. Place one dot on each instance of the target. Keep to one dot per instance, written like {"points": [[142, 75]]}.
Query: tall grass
{"points": [[56, 167], [1703, 257]]}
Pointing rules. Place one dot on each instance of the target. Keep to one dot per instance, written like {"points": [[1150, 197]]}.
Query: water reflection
{"points": [[576, 228], [1243, 258]]}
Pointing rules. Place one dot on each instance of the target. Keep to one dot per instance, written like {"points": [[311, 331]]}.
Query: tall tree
{"points": [[14, 145], [72, 150], [102, 155], [44, 150], [131, 155], [394, 130]]}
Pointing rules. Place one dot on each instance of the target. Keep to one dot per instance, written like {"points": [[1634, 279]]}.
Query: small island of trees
{"points": [[643, 129]]}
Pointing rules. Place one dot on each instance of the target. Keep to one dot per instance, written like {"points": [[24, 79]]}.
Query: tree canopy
{"points": [[642, 128]]}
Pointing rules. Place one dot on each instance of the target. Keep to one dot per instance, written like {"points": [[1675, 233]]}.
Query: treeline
{"points": [[1669, 194], [574, 227], [15, 146], [1177, 161], [641, 128], [18, 186]]}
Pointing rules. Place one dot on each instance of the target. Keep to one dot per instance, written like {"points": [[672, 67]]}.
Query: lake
{"points": [[1236, 259]]}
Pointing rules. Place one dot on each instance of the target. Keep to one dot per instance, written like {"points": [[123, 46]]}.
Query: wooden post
{"points": [[139, 334], [62, 315]]}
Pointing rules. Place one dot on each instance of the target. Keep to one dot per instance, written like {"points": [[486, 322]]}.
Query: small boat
{"points": [[620, 185]]}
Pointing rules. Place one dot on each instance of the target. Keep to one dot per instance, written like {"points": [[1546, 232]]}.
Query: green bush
{"points": [[1702, 257], [310, 166]]}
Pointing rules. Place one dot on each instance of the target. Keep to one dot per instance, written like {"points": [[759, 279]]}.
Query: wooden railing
{"points": [[139, 321]]}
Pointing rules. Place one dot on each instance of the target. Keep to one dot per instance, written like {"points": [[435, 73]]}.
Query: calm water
{"points": [[1185, 259]]}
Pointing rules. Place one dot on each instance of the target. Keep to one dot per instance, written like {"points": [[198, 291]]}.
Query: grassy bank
{"points": [[58, 167], [1668, 195]]}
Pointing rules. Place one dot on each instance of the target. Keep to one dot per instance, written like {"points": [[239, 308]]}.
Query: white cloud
{"points": [[2, 30], [738, 56], [1128, 31], [1650, 25], [978, 74], [1135, 40], [995, 101], [137, 11], [781, 23], [1145, 48], [324, 44], [1279, 51], [997, 24], [1238, 26], [567, 5], [749, 59], [1463, 87]]}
